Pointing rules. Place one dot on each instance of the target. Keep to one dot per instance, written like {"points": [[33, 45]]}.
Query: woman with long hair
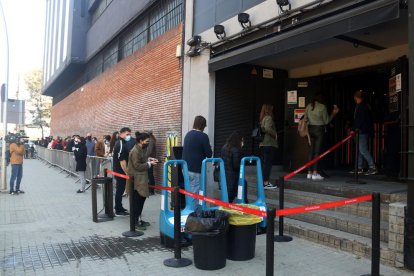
{"points": [[114, 138], [231, 154], [269, 144], [138, 166], [317, 117]]}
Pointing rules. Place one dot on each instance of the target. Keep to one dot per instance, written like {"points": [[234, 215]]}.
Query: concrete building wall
{"points": [[142, 92]]}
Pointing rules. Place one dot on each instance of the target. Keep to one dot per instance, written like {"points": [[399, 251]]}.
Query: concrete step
{"points": [[362, 209], [334, 220], [355, 244]]}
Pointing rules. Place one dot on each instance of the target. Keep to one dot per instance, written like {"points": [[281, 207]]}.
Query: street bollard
{"points": [[280, 237], [356, 175], [132, 232], [270, 246], [177, 261]]}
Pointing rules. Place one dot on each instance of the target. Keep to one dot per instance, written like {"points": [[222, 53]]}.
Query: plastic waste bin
{"points": [[241, 238], [209, 230]]}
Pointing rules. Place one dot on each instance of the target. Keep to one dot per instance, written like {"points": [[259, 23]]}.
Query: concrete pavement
{"points": [[49, 231]]}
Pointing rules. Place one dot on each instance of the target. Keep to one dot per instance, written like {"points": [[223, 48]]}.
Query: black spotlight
{"points": [[244, 20], [219, 31], [193, 52], [194, 41], [283, 3]]}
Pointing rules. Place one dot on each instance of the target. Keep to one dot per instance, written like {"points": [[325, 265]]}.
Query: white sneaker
{"points": [[317, 177], [309, 176]]}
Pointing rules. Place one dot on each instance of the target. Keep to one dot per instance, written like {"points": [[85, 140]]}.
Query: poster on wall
{"points": [[292, 97], [298, 114], [268, 73], [394, 86], [301, 102]]}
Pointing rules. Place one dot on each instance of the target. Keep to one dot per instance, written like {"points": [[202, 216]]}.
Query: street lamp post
{"points": [[5, 99]]}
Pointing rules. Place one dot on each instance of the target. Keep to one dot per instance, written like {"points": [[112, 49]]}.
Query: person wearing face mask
{"points": [[120, 163], [90, 145], [80, 152], [17, 152], [138, 165], [107, 141]]}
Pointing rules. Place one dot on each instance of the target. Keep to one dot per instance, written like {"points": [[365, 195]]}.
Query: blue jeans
{"points": [[195, 187], [364, 152], [16, 176]]}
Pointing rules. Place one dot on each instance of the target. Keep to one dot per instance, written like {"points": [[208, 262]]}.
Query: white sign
{"points": [[301, 102], [292, 97], [303, 84], [398, 83], [268, 73]]}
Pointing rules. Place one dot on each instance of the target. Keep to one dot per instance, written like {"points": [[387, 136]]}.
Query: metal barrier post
{"points": [[177, 261], [94, 202], [356, 175], [132, 232], [270, 246], [108, 195], [280, 237], [375, 231]]}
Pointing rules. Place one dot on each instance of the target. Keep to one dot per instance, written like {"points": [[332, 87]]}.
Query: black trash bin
{"points": [[241, 239], [241, 242], [209, 231]]}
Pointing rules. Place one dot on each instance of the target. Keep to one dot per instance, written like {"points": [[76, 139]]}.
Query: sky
{"points": [[25, 21]]}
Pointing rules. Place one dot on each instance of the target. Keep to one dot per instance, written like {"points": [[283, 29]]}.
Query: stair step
{"points": [[362, 209], [334, 220], [355, 244]]}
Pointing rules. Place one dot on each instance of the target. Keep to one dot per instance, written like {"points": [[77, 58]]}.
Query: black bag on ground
{"points": [[207, 221]]}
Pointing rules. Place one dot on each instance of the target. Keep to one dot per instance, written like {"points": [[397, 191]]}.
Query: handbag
{"points": [[258, 133], [303, 129]]}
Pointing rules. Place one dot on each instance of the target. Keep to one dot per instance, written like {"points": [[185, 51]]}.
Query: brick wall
{"points": [[142, 92]]}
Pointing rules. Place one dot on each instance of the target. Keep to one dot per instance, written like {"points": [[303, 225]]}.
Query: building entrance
{"points": [[378, 83]]}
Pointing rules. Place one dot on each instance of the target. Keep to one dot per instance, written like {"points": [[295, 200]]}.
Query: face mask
{"points": [[144, 146], [128, 138], [106, 142]]}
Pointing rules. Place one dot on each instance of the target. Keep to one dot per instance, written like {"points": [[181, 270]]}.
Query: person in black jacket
{"points": [[231, 155], [363, 123], [80, 153]]}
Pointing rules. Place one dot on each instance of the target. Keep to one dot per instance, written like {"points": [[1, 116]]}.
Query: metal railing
{"points": [[66, 162]]}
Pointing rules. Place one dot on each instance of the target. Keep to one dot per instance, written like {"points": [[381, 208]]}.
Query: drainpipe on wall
{"points": [[409, 243]]}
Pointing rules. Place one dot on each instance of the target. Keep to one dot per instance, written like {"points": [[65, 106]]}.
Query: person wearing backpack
{"points": [[269, 144], [317, 116]]}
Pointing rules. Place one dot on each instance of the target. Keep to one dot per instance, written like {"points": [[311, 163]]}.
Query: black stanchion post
{"points": [[132, 232], [375, 232], [94, 202], [280, 237], [356, 165], [270, 245], [177, 261]]}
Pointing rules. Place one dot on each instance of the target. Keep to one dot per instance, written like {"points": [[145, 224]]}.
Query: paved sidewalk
{"points": [[49, 231]]}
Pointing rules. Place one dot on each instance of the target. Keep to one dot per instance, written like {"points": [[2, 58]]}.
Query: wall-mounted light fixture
{"points": [[282, 4], [244, 20], [194, 41], [219, 31]]}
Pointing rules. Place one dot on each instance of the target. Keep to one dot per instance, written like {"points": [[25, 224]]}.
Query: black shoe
{"points": [[140, 226], [80, 191], [371, 171], [145, 223], [122, 213], [20, 191]]}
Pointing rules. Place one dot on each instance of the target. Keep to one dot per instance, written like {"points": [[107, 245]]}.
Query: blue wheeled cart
{"points": [[261, 199], [203, 182], [166, 215]]}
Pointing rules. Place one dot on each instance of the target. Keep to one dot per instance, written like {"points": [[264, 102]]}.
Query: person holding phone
{"points": [[138, 166]]}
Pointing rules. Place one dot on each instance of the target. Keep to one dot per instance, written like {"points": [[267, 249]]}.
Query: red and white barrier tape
{"points": [[316, 159], [257, 212], [322, 206]]}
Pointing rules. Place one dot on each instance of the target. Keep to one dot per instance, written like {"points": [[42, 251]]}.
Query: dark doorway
{"points": [[240, 93]]}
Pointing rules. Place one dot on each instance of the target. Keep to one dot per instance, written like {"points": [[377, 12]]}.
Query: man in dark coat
{"points": [[80, 153]]}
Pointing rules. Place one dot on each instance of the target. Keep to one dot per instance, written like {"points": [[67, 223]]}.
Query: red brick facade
{"points": [[142, 92]]}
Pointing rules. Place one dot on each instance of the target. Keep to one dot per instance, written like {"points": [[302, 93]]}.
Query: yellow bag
{"points": [[239, 218]]}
